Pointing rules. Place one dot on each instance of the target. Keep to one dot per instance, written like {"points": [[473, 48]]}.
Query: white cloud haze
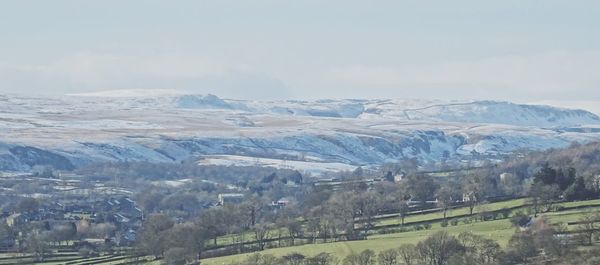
{"points": [[88, 72], [525, 51], [561, 74]]}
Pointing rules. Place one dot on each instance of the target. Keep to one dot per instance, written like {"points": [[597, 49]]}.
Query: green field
{"points": [[455, 212], [499, 230], [411, 218]]}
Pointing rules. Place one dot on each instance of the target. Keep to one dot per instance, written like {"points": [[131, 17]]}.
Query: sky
{"points": [[515, 50]]}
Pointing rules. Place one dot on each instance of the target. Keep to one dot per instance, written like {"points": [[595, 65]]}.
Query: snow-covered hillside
{"points": [[329, 134]]}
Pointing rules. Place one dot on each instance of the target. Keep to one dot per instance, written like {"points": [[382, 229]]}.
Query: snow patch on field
{"points": [[313, 167], [172, 183]]}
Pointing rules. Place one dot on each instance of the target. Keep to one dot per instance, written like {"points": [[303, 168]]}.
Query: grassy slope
{"points": [[499, 230], [249, 236], [454, 212]]}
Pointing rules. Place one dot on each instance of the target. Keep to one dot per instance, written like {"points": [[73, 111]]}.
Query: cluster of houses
{"points": [[122, 212]]}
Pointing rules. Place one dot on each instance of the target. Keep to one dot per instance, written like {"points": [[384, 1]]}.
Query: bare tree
{"points": [[444, 199], [403, 211], [345, 208], [439, 248], [367, 257], [407, 254], [535, 197], [521, 247], [421, 187], [472, 191], [188, 238], [253, 207], [36, 245], [294, 229], [262, 232], [479, 250], [388, 257], [154, 229], [368, 205], [589, 223]]}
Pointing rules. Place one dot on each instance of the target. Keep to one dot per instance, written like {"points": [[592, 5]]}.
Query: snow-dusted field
{"points": [[307, 135], [312, 167]]}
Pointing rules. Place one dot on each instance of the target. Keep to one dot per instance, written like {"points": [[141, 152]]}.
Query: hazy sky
{"points": [[526, 51]]}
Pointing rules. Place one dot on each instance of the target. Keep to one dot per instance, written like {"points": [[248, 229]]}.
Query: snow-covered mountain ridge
{"points": [[73, 130]]}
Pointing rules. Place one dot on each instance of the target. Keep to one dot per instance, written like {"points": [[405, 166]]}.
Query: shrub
{"points": [[322, 258], [176, 256], [505, 213], [454, 222], [444, 223], [366, 257], [387, 257], [87, 252], [427, 226], [391, 230], [519, 219], [488, 216]]}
